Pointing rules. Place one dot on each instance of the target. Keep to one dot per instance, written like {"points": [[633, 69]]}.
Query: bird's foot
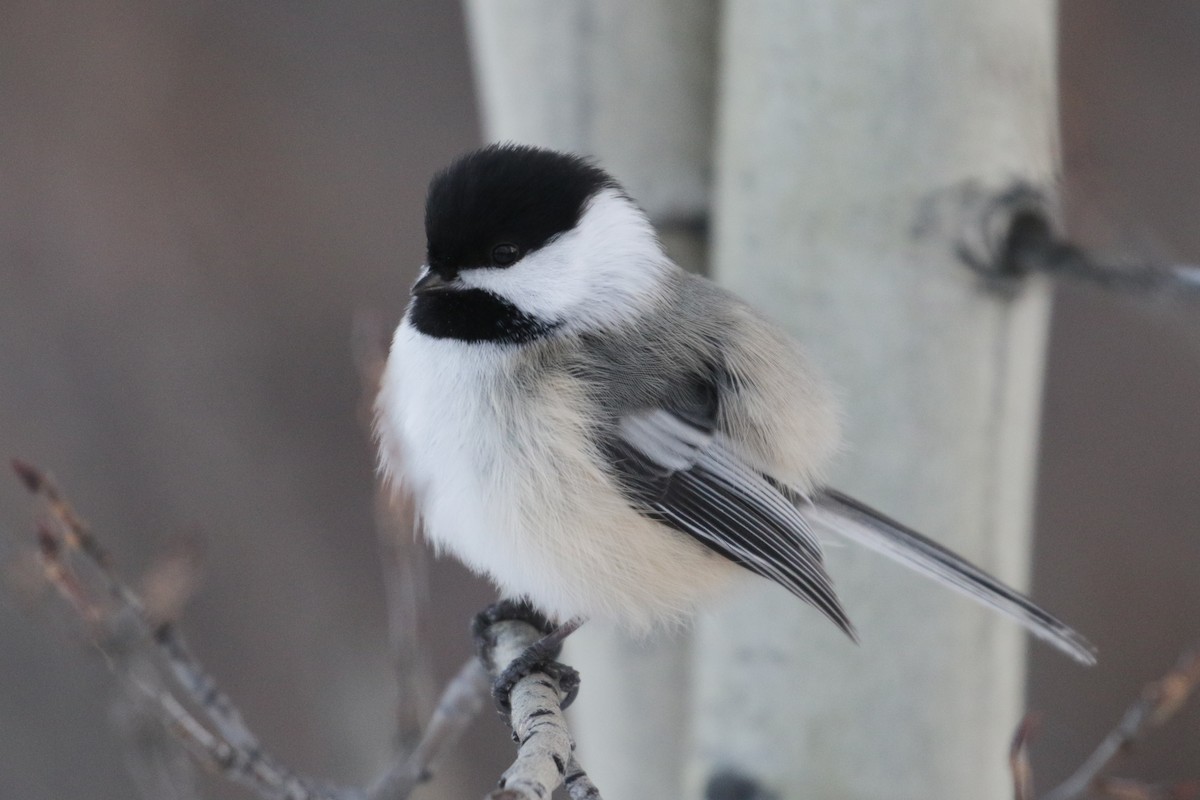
{"points": [[538, 657]]}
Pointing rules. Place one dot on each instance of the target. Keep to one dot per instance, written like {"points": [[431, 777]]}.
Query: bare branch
{"points": [[545, 753], [1040, 252], [1013, 233], [1159, 701], [128, 629], [120, 624], [458, 707]]}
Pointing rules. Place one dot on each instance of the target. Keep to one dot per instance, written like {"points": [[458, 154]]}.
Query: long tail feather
{"points": [[858, 522]]}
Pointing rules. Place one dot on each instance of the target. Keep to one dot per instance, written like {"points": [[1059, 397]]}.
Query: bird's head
{"points": [[522, 241]]}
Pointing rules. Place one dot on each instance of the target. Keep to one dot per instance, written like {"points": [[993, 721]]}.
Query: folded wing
{"points": [[679, 471], [674, 466]]}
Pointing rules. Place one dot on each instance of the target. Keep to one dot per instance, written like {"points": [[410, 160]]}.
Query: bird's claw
{"points": [[538, 657], [565, 676]]}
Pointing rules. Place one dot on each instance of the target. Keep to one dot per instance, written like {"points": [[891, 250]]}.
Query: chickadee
{"points": [[605, 434]]}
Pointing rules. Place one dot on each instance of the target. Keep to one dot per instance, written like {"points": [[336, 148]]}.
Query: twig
{"points": [[1018, 759], [1008, 234], [1034, 248], [457, 708], [156, 762], [1159, 701], [160, 767], [122, 624], [243, 757], [404, 561], [545, 753]]}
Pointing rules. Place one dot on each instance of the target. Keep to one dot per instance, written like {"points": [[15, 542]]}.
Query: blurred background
{"points": [[195, 199]]}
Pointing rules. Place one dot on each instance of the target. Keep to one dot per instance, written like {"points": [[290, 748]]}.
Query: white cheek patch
{"points": [[544, 284], [609, 267]]}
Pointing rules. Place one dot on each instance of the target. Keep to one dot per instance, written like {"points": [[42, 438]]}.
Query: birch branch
{"points": [[1159, 702], [188, 701], [545, 753]]}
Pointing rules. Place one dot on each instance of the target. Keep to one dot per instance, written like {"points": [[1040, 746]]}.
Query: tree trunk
{"points": [[847, 135]]}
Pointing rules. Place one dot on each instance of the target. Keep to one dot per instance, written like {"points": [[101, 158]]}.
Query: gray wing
{"points": [[674, 467]]}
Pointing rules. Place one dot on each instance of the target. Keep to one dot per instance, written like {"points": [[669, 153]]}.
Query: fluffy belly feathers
{"points": [[505, 477]]}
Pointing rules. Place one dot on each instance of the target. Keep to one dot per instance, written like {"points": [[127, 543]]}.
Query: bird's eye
{"points": [[505, 254]]}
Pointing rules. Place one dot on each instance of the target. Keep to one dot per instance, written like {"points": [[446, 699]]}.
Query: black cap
{"points": [[505, 194]]}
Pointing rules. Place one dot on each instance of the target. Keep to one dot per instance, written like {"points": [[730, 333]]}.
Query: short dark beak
{"points": [[433, 283]]}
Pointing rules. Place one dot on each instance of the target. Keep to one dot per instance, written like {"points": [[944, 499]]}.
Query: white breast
{"points": [[505, 477]]}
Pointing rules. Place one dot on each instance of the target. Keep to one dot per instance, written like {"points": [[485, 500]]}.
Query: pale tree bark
{"points": [[629, 82], [854, 141]]}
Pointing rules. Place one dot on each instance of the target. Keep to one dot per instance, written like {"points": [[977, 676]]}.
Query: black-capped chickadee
{"points": [[609, 436]]}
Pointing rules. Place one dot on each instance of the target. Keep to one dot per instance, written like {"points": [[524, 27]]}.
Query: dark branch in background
{"points": [[1033, 246], [1159, 701], [138, 636], [1007, 235]]}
